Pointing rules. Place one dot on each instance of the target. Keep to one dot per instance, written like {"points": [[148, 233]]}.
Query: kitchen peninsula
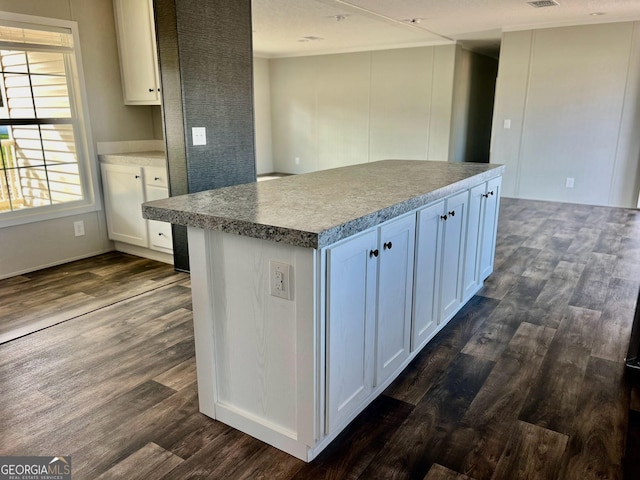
{"points": [[311, 293]]}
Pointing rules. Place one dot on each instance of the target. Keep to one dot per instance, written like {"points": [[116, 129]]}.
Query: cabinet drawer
{"points": [[156, 176], [159, 232], [160, 236]]}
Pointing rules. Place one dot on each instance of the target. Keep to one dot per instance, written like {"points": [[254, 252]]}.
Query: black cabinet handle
{"points": [[373, 253], [443, 217], [491, 192], [452, 213], [388, 245], [137, 176], [156, 178], [152, 90], [486, 195]]}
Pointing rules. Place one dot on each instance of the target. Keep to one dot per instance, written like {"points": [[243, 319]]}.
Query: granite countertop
{"points": [[143, 159], [317, 209]]}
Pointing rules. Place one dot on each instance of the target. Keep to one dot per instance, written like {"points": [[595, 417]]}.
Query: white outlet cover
{"points": [[78, 228], [280, 280]]}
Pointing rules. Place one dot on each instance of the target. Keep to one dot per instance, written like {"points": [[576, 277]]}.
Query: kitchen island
{"points": [[311, 293]]}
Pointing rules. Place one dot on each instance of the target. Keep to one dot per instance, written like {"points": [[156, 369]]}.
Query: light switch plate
{"points": [[199, 135]]}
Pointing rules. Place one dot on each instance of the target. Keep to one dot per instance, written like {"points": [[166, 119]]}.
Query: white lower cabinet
{"points": [[453, 241], [439, 265], [156, 187], [471, 277], [491, 206], [394, 296], [294, 373], [126, 188], [369, 289], [351, 301], [481, 236]]}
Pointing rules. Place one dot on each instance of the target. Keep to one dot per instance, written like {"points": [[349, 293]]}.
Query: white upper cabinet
{"points": [[138, 55]]}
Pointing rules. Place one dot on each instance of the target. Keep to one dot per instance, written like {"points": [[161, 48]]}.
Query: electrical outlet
{"points": [[280, 279], [78, 228], [569, 183]]}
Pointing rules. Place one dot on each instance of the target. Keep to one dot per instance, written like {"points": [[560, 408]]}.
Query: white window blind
{"points": [[43, 164]]}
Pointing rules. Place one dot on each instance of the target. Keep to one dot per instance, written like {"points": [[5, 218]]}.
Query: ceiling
{"points": [[285, 28]]}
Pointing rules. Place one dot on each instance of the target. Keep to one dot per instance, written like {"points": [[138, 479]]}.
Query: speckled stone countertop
{"points": [[142, 159], [317, 209]]}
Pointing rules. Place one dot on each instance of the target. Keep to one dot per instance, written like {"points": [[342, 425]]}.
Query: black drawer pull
{"points": [[443, 217], [452, 213], [388, 245], [373, 253]]}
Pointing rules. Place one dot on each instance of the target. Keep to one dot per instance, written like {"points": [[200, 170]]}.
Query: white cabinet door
{"points": [[137, 48], [489, 227], [351, 302], [471, 275], [438, 266], [396, 244], [481, 235], [452, 255], [430, 226], [124, 195]]}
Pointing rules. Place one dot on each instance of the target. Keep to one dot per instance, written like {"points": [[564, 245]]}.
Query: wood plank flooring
{"points": [[38, 300], [527, 381]]}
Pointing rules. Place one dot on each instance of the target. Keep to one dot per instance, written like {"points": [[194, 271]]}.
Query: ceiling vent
{"points": [[543, 3]]}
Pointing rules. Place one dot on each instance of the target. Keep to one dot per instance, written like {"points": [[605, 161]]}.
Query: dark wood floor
{"points": [[526, 382], [47, 297]]}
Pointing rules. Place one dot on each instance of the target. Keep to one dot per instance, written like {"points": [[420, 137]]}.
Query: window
{"points": [[44, 167]]}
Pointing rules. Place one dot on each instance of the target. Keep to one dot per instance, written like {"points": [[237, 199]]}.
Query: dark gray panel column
{"points": [[206, 64]]}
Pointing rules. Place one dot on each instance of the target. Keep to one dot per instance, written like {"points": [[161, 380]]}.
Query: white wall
{"points": [[262, 115], [33, 246], [336, 110], [572, 96]]}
